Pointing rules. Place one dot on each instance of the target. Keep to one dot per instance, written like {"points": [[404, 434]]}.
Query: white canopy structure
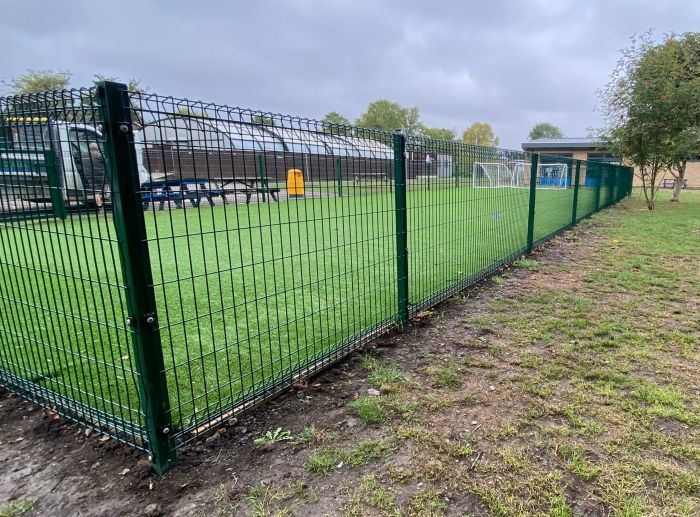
{"points": [[201, 133]]}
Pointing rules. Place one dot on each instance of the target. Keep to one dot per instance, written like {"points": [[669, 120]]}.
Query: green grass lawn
{"points": [[245, 293], [567, 385]]}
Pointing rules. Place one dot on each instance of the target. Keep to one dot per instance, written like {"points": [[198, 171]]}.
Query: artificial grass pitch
{"points": [[245, 293]]}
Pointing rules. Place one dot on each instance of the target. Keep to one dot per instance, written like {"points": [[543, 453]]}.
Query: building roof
{"points": [[564, 143]]}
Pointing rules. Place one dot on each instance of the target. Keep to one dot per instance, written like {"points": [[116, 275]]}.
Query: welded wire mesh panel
{"points": [[587, 188], [604, 182], [63, 341], [613, 182], [250, 249], [272, 241], [616, 186], [467, 214], [554, 197]]}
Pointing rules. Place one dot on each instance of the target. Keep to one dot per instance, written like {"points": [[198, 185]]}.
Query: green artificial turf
{"points": [[245, 293]]}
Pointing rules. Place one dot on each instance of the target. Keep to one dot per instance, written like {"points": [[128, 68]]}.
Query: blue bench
{"points": [[180, 191]]}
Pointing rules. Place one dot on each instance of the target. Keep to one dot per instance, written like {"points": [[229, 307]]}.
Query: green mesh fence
{"points": [[167, 264]]}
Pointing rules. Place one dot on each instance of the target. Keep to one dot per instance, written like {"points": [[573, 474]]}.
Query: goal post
{"points": [[549, 175], [553, 175], [491, 175], [501, 175], [521, 174]]}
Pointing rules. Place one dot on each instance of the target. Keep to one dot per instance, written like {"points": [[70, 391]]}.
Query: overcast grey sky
{"points": [[511, 63]]}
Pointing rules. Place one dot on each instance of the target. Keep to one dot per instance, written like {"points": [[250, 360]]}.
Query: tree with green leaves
{"points": [[625, 105], [651, 107], [439, 133], [34, 81], [544, 130], [480, 133], [334, 117], [47, 82], [263, 120], [672, 71], [334, 122], [390, 116], [133, 85]]}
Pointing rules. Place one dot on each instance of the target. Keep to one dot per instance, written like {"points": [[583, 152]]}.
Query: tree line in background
{"points": [[385, 115], [34, 81], [381, 114], [651, 108]]}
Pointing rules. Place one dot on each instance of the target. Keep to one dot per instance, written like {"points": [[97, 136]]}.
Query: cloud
{"points": [[508, 62]]}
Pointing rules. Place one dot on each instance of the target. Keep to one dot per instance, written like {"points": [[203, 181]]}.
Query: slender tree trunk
{"points": [[677, 187], [679, 180], [648, 197]]}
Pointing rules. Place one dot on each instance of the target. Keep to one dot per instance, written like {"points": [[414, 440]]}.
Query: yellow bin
{"points": [[295, 183]]}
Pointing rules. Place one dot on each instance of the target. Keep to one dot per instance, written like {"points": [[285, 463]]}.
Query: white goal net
{"points": [[552, 175], [519, 176], [492, 175], [549, 175]]}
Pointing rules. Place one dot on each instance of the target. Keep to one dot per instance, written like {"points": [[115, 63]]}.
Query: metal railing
{"points": [[167, 264]]}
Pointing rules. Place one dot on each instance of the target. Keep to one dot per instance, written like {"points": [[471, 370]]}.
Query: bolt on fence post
{"points": [[577, 178], [401, 226], [130, 229], [534, 158]]}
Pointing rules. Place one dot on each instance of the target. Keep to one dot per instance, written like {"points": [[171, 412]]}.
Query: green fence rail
{"points": [[167, 264]]}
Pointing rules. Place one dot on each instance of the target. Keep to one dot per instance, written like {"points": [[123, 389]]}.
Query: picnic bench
{"points": [[193, 190], [671, 183]]}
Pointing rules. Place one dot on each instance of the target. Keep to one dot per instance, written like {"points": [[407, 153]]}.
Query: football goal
{"points": [[492, 175], [553, 175], [549, 175]]}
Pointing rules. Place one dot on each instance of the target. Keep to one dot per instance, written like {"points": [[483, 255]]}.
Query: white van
{"points": [[25, 143]]}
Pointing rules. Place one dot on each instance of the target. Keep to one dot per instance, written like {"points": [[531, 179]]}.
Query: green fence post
{"points": [[623, 182], [58, 204], [599, 181], [577, 178], [622, 185], [534, 158], [339, 176], [261, 173], [130, 229], [630, 180], [401, 226]]}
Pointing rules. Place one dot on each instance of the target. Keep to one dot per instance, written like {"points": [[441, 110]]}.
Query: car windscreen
{"points": [[29, 136]]}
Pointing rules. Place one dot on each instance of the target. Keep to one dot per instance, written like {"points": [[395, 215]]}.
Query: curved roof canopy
{"points": [[204, 134], [193, 132]]}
